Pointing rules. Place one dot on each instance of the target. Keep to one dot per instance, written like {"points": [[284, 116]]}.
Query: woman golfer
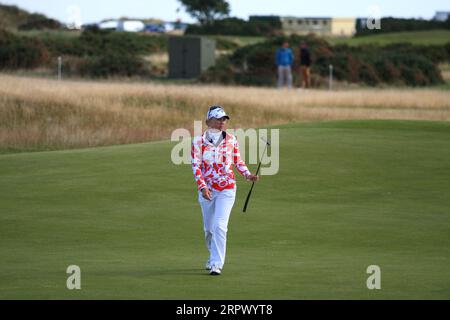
{"points": [[213, 155]]}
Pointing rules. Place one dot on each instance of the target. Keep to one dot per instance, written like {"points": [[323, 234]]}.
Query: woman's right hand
{"points": [[206, 193]]}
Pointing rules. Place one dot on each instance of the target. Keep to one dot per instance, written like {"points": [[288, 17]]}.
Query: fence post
{"points": [[59, 68], [331, 77]]}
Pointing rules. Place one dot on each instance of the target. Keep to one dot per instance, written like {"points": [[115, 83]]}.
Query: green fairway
{"points": [[432, 37], [348, 195]]}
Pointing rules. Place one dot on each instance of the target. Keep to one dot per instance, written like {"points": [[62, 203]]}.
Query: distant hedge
{"points": [[12, 17], [97, 42], [39, 22], [371, 65], [94, 53], [390, 24], [111, 64], [237, 27], [98, 53], [21, 53]]}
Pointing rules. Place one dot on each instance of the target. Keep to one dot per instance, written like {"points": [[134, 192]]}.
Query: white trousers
{"points": [[216, 214]]}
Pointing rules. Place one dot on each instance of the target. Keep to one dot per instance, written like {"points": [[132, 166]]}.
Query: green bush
{"points": [[96, 42], [416, 70], [60, 46], [93, 54], [390, 24], [72, 65], [435, 53], [371, 65], [236, 27], [40, 22], [20, 52], [221, 72], [447, 50], [112, 64], [367, 74], [387, 70]]}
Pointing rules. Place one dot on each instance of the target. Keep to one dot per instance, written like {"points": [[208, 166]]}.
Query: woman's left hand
{"points": [[252, 178]]}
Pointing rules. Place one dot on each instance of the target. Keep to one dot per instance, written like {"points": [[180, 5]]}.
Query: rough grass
{"points": [[38, 114]]}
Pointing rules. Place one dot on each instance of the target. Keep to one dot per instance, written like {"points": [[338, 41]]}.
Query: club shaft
{"points": [[253, 184]]}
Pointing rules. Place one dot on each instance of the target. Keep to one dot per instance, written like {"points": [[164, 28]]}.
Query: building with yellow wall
{"points": [[322, 26], [344, 27]]}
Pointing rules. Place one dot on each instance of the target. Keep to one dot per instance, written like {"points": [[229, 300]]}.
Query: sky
{"points": [[89, 11]]}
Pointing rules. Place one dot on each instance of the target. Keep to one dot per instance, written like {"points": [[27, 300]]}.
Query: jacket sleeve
{"points": [[196, 158], [238, 162]]}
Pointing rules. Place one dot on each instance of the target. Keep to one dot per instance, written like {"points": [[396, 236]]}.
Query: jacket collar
{"points": [[207, 138]]}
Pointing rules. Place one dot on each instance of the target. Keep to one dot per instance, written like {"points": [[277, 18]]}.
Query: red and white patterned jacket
{"points": [[213, 166]]}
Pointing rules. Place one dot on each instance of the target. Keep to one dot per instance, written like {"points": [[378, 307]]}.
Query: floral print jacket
{"points": [[213, 164]]}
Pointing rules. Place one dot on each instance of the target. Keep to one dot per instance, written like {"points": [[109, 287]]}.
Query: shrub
{"points": [[435, 53], [390, 24], [96, 42], [222, 72], [225, 44], [20, 52], [367, 74], [237, 27], [112, 64], [388, 72], [369, 64], [416, 70], [39, 22]]}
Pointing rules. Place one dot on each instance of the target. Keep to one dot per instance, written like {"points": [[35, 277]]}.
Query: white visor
{"points": [[217, 113]]}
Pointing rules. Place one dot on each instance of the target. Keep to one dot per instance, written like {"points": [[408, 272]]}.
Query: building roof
{"points": [[305, 18]]}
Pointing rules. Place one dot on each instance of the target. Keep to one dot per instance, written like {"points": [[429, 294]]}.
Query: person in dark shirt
{"points": [[305, 64]]}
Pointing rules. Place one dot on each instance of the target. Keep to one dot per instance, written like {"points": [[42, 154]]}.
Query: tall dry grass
{"points": [[39, 114]]}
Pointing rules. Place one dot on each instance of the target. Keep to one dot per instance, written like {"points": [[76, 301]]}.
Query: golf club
{"points": [[257, 171]]}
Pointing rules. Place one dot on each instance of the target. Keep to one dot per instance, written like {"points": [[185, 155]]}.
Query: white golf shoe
{"points": [[215, 271], [208, 265]]}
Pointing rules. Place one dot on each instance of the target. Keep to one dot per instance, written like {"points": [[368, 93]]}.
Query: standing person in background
{"points": [[284, 60], [305, 64]]}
